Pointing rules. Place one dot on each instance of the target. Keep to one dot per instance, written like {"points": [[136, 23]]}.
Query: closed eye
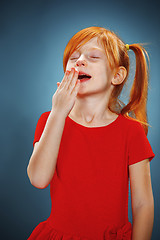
{"points": [[94, 57], [76, 58]]}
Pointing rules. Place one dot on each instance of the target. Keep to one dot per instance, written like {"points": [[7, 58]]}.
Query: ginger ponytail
{"points": [[139, 91]]}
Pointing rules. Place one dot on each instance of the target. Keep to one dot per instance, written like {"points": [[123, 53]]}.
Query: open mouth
{"points": [[84, 77]]}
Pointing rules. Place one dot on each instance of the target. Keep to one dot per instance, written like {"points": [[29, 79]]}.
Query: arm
{"points": [[43, 160], [142, 200]]}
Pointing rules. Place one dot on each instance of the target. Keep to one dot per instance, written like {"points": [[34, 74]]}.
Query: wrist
{"points": [[58, 114]]}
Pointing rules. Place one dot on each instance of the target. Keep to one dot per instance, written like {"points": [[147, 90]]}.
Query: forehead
{"points": [[92, 44]]}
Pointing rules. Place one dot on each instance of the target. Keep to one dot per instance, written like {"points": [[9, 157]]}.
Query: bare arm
{"points": [[143, 219], [142, 200], [43, 160]]}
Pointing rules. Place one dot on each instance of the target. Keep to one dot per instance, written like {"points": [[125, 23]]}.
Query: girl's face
{"points": [[91, 59]]}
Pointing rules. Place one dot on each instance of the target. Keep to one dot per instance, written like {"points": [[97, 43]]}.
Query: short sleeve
{"points": [[139, 147], [40, 126]]}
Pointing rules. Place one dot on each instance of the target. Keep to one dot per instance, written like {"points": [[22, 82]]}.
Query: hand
{"points": [[64, 98]]}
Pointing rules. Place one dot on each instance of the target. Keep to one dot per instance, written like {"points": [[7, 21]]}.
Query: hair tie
{"points": [[127, 47]]}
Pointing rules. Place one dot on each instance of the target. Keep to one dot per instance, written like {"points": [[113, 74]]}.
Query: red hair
{"points": [[117, 55]]}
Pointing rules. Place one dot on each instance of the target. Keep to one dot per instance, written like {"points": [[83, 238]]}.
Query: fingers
{"points": [[75, 89], [69, 80], [58, 83], [73, 77], [64, 79]]}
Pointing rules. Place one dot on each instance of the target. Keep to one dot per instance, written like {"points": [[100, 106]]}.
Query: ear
{"points": [[119, 75]]}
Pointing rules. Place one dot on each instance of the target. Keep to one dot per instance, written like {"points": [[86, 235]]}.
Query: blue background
{"points": [[33, 36]]}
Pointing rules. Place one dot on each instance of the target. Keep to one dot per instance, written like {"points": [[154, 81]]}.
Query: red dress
{"points": [[90, 186]]}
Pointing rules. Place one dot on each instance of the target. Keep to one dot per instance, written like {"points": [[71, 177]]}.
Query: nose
{"points": [[80, 62]]}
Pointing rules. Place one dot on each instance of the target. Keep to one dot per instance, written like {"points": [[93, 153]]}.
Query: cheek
{"points": [[68, 66], [100, 72]]}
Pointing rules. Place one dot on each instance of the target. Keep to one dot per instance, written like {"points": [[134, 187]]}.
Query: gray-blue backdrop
{"points": [[33, 36]]}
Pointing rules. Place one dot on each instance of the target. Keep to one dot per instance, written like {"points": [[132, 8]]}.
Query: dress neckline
{"points": [[100, 127]]}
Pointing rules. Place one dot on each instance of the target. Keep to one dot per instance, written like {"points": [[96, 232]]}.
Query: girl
{"points": [[88, 146]]}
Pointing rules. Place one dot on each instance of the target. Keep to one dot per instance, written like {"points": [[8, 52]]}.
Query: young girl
{"points": [[90, 144]]}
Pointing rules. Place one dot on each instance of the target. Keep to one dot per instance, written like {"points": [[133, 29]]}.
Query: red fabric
{"points": [[90, 186], [122, 233]]}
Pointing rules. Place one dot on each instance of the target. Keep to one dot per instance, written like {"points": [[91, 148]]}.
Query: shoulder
{"points": [[43, 117], [132, 128], [131, 123], [129, 120], [45, 114]]}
